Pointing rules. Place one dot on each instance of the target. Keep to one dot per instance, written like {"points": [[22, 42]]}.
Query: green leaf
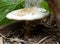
{"points": [[6, 21], [6, 6], [45, 5]]}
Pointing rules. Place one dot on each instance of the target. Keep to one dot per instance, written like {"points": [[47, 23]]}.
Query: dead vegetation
{"points": [[41, 32]]}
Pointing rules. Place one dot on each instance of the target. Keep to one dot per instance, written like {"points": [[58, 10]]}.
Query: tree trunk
{"points": [[55, 5]]}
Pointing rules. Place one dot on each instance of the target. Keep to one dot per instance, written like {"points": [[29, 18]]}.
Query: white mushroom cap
{"points": [[28, 14]]}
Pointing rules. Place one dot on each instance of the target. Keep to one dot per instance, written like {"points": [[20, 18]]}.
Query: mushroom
{"points": [[28, 14]]}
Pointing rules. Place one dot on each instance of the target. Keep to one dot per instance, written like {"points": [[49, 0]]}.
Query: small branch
{"points": [[44, 39], [57, 42], [1, 40]]}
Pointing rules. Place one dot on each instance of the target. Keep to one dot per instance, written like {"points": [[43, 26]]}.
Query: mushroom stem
{"points": [[27, 30]]}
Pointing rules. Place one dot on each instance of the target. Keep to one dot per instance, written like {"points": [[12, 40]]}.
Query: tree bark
{"points": [[55, 5]]}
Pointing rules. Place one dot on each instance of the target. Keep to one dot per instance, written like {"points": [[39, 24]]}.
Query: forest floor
{"points": [[42, 32]]}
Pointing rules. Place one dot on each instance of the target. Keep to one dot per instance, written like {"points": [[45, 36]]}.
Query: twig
{"points": [[44, 39], [1, 40], [11, 39], [57, 42]]}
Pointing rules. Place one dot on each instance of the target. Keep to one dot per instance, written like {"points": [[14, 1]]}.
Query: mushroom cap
{"points": [[28, 14]]}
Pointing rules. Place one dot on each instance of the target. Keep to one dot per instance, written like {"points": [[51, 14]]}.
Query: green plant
{"points": [[45, 5], [7, 6]]}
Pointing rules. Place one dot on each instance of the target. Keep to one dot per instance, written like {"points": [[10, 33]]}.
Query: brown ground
{"points": [[39, 31]]}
